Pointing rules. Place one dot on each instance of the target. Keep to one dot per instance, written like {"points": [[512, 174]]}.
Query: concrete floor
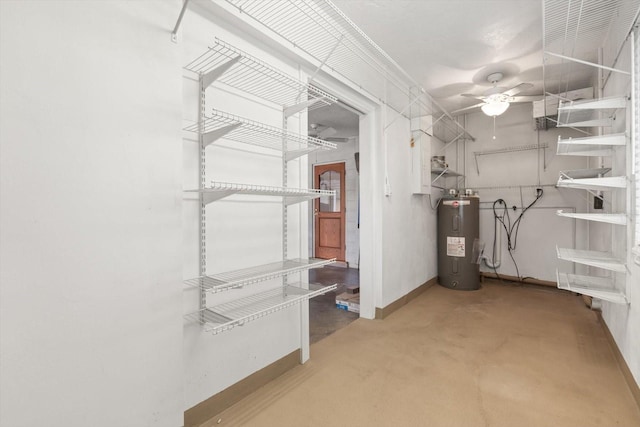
{"points": [[324, 317], [501, 356]]}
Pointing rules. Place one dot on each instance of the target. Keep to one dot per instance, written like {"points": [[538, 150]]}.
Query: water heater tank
{"points": [[458, 229]]}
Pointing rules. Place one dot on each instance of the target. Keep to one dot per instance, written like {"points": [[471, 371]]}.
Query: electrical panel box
{"points": [[421, 134]]}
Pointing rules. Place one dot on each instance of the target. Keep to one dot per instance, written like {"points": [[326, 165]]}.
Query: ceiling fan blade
{"points": [[471, 107], [517, 89], [325, 133], [525, 98], [470, 95], [337, 139]]}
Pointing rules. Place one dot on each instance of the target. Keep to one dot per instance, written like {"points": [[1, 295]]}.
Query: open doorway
{"points": [[335, 222]]}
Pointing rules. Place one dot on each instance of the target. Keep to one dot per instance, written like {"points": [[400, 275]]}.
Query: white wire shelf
{"points": [[219, 190], [612, 103], [580, 28], [580, 179], [616, 219], [515, 149], [604, 260], [227, 316], [584, 173], [511, 149], [591, 146], [596, 287], [236, 68], [442, 173], [240, 129], [589, 113], [248, 276]]}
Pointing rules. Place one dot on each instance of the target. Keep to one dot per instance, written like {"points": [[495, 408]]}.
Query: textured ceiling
{"points": [[451, 46]]}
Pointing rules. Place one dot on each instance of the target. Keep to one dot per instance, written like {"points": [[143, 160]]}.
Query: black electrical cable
{"points": [[495, 237], [511, 229]]}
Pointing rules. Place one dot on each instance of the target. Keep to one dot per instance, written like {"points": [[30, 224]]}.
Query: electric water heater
{"points": [[458, 230]]}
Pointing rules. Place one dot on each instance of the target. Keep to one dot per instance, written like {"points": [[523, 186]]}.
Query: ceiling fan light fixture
{"points": [[494, 108]]}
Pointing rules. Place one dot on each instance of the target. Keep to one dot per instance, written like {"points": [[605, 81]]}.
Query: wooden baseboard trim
{"points": [[527, 281], [381, 313], [626, 372], [217, 403]]}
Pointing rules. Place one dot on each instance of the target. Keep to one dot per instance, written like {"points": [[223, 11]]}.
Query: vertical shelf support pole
{"points": [[202, 144]]}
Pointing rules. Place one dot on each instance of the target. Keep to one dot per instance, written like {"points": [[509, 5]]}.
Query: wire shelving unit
{"points": [[236, 68], [572, 33], [226, 316], [224, 125], [225, 65], [248, 276]]}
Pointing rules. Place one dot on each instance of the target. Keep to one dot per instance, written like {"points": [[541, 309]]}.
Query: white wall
{"points": [[371, 216], [408, 222], [344, 153], [90, 314], [623, 320], [540, 228]]}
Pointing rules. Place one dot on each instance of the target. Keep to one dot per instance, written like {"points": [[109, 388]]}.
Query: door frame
{"points": [[343, 208]]}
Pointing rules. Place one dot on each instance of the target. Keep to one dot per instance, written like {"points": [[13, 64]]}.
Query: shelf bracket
{"points": [[323, 63], [451, 142], [212, 136], [439, 176], [213, 75], [402, 112], [174, 33], [210, 197], [294, 154], [430, 128], [293, 200], [290, 111]]}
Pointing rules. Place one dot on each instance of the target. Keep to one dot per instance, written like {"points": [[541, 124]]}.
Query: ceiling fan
{"points": [[324, 133], [496, 100], [320, 131]]}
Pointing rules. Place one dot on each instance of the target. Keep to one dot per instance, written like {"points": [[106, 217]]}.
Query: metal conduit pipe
{"points": [[497, 251]]}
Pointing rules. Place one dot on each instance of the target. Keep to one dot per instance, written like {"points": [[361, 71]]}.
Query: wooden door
{"points": [[330, 212]]}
